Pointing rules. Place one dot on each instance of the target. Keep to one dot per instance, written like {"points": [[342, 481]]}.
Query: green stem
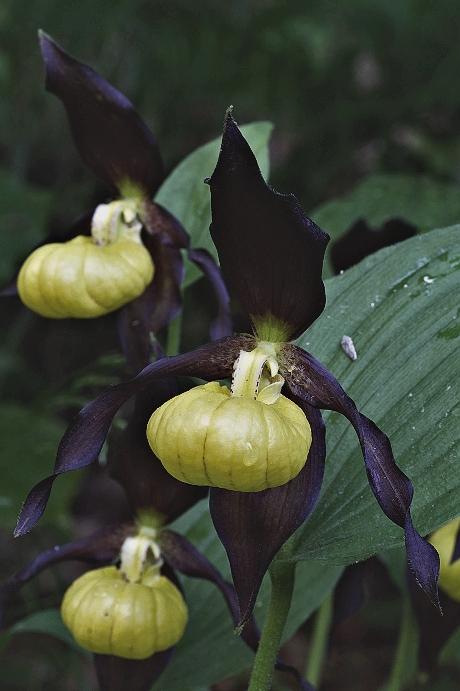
{"points": [[174, 333], [405, 651], [282, 578], [319, 641]]}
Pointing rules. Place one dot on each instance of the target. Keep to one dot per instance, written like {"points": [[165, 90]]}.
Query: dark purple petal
{"points": [[134, 465], [310, 380], [270, 252], [160, 302], [160, 223], [253, 526], [456, 552], [85, 436], [222, 324], [184, 557], [119, 674], [100, 548], [111, 138]]}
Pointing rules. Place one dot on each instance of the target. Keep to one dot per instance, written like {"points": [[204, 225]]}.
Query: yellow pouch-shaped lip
{"points": [[207, 437], [449, 574], [83, 280], [111, 616]]}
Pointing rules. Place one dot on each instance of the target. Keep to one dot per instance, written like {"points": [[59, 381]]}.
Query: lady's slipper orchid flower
{"points": [[272, 255], [125, 253]]}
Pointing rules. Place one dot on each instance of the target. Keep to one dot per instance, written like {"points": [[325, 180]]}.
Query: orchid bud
{"points": [[449, 573], [246, 439], [89, 276], [113, 616]]}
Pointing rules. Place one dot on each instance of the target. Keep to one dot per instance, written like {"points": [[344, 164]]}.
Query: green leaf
{"points": [[28, 443], [47, 621], [209, 649], [186, 196], [420, 200], [401, 307], [24, 212]]}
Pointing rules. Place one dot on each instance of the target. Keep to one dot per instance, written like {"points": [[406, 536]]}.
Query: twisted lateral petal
{"points": [[85, 436], [254, 526], [311, 381], [111, 138], [111, 616], [206, 437], [270, 252], [82, 280]]}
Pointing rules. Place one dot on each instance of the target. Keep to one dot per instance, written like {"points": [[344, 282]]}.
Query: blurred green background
{"points": [[353, 87]]}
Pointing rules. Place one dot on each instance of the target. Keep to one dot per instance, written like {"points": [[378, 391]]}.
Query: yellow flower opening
{"points": [[131, 612], [247, 439], [449, 574], [89, 276]]}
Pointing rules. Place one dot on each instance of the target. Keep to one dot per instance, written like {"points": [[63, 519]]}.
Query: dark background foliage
{"points": [[354, 87]]}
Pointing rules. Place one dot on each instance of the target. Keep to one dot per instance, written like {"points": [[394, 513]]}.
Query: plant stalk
{"points": [[319, 641], [282, 580]]}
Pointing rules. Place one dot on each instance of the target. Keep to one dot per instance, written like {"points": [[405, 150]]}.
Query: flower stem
{"points": [[319, 642], [404, 665], [174, 333], [282, 579]]}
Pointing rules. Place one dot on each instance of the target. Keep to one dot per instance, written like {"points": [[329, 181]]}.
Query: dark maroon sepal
{"points": [[311, 381], [270, 252], [253, 526], [85, 436], [222, 324], [161, 301], [119, 674], [134, 465], [111, 137], [423, 561], [456, 552], [160, 223], [183, 556], [99, 549]]}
